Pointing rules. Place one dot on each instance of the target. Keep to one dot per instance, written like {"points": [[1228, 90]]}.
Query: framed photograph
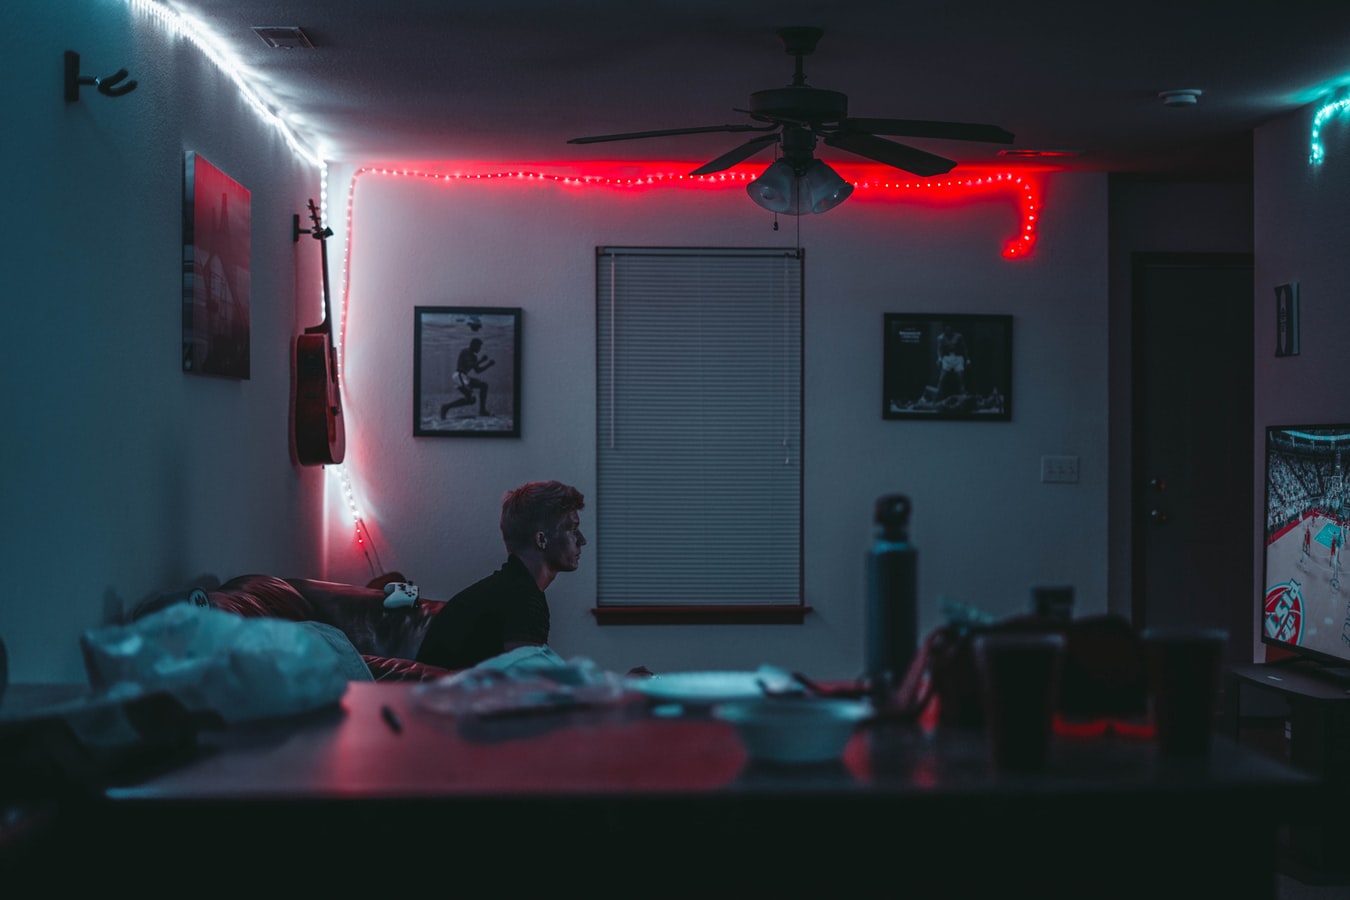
{"points": [[466, 371], [215, 271], [947, 366], [1286, 320]]}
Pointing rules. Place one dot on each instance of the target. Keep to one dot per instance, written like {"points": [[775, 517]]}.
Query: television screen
{"points": [[1304, 606]]}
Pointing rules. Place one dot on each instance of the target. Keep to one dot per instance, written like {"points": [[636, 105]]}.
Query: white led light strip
{"points": [[190, 28], [199, 35]]}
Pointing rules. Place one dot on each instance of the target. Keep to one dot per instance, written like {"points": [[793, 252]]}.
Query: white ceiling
{"points": [[512, 80]]}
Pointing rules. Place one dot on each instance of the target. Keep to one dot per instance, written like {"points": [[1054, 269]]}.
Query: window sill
{"points": [[701, 615]]}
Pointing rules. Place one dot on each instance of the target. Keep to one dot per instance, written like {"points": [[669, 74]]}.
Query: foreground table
{"points": [[618, 801]]}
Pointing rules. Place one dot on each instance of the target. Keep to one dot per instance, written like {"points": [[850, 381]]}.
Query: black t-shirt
{"points": [[476, 623]]}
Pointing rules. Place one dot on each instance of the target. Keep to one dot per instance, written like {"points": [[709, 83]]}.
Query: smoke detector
{"points": [[1187, 97]]}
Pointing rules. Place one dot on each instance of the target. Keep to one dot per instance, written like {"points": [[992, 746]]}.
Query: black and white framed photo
{"points": [[947, 366], [466, 371], [1286, 319]]}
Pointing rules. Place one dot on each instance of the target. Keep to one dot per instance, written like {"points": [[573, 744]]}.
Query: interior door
{"points": [[1192, 500]]}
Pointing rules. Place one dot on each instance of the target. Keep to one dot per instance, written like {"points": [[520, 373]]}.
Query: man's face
{"points": [[564, 548]]}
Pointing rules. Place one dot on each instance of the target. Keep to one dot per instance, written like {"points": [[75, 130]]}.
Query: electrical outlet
{"points": [[1059, 469]]}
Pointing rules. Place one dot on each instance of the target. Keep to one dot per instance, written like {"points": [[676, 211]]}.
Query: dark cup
{"points": [[1184, 666], [1019, 691]]}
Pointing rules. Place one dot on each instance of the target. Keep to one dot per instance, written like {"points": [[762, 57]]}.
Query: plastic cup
{"points": [[1019, 692], [1184, 666]]}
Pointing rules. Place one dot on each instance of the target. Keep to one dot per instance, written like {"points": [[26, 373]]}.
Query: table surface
{"points": [[354, 751], [618, 800]]}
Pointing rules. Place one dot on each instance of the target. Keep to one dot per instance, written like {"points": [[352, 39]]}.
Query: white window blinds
{"points": [[700, 426]]}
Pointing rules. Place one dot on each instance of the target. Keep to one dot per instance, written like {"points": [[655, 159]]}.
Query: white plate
{"points": [[700, 687]]}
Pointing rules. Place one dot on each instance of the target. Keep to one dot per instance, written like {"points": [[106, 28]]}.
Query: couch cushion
{"points": [[359, 612]]}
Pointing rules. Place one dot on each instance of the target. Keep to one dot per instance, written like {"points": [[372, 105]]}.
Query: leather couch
{"points": [[387, 639]]}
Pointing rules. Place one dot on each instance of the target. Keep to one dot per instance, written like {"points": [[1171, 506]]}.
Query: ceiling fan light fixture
{"points": [[822, 187], [782, 190], [776, 190]]}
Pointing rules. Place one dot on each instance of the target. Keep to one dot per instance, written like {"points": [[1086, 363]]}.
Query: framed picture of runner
{"points": [[466, 371], [944, 366]]}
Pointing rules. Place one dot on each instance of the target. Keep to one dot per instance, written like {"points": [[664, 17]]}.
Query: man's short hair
{"points": [[536, 506]]}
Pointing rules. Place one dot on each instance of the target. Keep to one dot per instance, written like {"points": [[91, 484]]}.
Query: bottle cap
{"points": [[892, 513]]}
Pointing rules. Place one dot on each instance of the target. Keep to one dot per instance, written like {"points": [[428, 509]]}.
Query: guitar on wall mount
{"points": [[320, 438]]}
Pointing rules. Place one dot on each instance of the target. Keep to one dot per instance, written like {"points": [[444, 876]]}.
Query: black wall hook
{"points": [[108, 85]]}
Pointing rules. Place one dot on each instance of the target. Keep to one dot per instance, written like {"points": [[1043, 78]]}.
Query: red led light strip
{"points": [[1026, 192], [866, 186]]}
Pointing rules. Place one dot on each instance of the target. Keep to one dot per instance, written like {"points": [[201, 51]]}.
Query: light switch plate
{"points": [[1059, 469]]}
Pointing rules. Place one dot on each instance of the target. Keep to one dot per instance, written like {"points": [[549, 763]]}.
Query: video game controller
{"points": [[399, 593]]}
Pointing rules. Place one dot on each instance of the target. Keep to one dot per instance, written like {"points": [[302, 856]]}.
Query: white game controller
{"points": [[399, 593]]}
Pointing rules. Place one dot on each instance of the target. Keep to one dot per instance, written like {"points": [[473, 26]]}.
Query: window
{"points": [[699, 377]]}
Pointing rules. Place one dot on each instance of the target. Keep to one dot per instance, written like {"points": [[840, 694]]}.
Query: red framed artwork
{"points": [[215, 271]]}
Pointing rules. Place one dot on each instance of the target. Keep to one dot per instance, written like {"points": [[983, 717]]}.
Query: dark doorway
{"points": [[1192, 443]]}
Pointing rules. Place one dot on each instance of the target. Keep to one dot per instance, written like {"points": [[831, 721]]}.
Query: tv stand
{"points": [[1305, 677], [1312, 733]]}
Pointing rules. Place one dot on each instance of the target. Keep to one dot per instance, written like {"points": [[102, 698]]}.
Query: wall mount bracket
{"points": [[109, 85]]}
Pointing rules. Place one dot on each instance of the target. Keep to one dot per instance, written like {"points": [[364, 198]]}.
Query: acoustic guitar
{"points": [[320, 438]]}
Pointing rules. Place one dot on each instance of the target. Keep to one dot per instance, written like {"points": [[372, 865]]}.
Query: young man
{"points": [[541, 528]]}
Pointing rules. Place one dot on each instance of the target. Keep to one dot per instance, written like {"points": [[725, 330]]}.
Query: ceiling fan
{"points": [[796, 117]]}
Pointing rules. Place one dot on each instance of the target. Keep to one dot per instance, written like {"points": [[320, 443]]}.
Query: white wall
{"points": [[1303, 236], [123, 476], [986, 528]]}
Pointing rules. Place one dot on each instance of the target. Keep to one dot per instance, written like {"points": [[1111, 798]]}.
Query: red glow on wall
{"points": [[871, 183]]}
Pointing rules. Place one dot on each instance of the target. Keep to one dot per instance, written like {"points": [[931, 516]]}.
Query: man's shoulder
{"points": [[511, 576]]}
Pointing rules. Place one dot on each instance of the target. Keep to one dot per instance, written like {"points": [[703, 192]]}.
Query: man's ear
{"points": [[540, 540]]}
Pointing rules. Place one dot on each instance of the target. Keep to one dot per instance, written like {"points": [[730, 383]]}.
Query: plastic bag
{"points": [[214, 661], [521, 681]]}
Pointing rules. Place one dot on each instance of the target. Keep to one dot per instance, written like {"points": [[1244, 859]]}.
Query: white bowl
{"points": [[794, 729]]}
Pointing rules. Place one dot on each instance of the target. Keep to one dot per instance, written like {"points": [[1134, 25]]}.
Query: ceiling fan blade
{"points": [[667, 132], [955, 131], [892, 154], [731, 157]]}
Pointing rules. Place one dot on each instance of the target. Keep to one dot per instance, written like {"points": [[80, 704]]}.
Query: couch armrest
{"points": [[360, 614], [388, 668]]}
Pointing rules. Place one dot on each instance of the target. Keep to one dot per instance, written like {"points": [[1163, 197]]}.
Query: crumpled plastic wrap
{"points": [[214, 661], [521, 682]]}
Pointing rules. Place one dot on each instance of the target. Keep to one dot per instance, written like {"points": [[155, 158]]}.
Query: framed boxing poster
{"points": [[944, 366], [466, 371]]}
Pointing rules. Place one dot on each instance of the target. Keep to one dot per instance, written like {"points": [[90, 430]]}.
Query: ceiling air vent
{"points": [[286, 37], [1037, 154]]}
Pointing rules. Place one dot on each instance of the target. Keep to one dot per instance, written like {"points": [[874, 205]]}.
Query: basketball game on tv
{"points": [[1304, 608]]}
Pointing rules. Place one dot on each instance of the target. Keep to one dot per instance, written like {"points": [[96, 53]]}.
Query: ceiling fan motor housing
{"points": [[793, 118], [799, 105]]}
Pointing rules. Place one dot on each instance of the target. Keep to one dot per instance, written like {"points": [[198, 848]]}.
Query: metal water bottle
{"points": [[892, 605]]}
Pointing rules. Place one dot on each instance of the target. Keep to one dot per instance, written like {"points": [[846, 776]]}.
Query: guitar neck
{"points": [[326, 326]]}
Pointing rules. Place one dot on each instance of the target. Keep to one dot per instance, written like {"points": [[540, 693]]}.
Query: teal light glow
{"points": [[1323, 115]]}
